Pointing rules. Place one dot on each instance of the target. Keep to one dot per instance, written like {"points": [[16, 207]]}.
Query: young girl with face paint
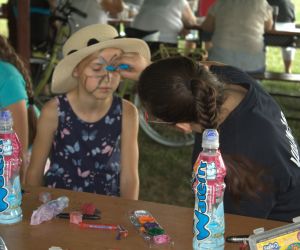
{"points": [[89, 134]]}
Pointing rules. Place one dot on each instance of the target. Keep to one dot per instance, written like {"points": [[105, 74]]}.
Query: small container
{"points": [[150, 230], [75, 217], [285, 237], [44, 197]]}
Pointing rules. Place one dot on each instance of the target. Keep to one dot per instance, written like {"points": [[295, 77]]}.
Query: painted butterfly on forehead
{"points": [[114, 68]]}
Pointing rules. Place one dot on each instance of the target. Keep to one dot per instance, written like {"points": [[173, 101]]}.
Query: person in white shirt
{"points": [[238, 27], [97, 12], [286, 16], [168, 17]]}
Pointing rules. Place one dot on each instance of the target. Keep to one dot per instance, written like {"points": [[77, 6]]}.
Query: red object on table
{"points": [[88, 208]]}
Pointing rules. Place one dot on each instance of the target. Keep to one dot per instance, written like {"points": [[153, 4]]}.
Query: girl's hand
{"points": [[136, 63]]}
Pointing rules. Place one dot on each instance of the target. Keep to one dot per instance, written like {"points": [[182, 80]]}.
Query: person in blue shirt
{"points": [[16, 95]]}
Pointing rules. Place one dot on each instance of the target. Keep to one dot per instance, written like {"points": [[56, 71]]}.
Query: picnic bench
{"points": [[277, 76], [284, 77]]}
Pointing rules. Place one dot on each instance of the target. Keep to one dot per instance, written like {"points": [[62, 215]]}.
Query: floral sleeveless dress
{"points": [[86, 156]]}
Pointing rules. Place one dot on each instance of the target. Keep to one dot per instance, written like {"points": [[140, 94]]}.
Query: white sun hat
{"points": [[85, 42]]}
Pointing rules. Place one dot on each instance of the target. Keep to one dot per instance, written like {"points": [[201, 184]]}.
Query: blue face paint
{"points": [[124, 66], [114, 68], [110, 68]]}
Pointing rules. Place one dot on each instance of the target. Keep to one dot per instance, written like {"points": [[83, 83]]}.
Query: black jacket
{"points": [[258, 131]]}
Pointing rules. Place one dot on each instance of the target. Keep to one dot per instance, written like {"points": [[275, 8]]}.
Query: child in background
{"points": [[90, 133], [16, 95]]}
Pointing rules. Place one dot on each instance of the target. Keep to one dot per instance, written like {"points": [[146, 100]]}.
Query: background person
{"points": [[89, 133], [169, 17], [238, 28], [203, 7], [16, 95], [97, 11], [286, 15]]}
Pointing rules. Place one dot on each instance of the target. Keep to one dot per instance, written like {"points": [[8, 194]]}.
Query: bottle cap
{"points": [[6, 120], [5, 115], [210, 139]]}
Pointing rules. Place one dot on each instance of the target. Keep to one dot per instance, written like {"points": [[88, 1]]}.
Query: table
{"points": [[283, 35], [177, 221]]}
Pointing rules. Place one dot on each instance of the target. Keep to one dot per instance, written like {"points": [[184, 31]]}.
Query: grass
{"points": [[165, 173]]}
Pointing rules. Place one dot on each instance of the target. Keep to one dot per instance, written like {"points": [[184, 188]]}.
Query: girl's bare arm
{"points": [[47, 125], [129, 186]]}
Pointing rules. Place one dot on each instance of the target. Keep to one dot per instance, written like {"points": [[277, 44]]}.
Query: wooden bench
{"points": [[275, 76]]}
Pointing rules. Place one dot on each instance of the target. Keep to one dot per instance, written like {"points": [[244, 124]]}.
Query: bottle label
{"points": [[3, 190], [200, 210], [6, 147], [209, 172]]}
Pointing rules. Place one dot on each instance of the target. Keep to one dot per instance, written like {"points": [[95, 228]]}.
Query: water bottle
{"points": [[208, 176], [10, 161]]}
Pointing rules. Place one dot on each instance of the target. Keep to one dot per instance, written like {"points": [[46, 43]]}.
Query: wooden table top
{"points": [[280, 32], [177, 221]]}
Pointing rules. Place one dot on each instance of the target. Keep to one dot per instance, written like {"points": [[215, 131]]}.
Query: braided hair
{"points": [[176, 90], [8, 54]]}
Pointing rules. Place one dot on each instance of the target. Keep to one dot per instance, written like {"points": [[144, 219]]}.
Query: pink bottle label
{"points": [[209, 173], [10, 149], [9, 164], [214, 173]]}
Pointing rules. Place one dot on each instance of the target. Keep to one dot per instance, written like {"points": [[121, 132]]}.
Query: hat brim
{"points": [[63, 80]]}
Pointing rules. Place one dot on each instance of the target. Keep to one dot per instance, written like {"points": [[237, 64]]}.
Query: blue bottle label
{"points": [[209, 172], [14, 197], [200, 210], [4, 148]]}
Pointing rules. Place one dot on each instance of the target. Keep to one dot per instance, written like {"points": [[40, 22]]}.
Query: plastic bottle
{"points": [[10, 161], [209, 173]]}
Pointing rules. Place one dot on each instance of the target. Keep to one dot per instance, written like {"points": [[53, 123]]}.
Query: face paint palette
{"points": [[285, 237], [149, 229]]}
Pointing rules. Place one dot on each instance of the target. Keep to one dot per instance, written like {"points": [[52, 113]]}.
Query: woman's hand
{"points": [[136, 63]]}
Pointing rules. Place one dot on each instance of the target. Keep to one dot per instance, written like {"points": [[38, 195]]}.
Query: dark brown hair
{"points": [[8, 54], [178, 90]]}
